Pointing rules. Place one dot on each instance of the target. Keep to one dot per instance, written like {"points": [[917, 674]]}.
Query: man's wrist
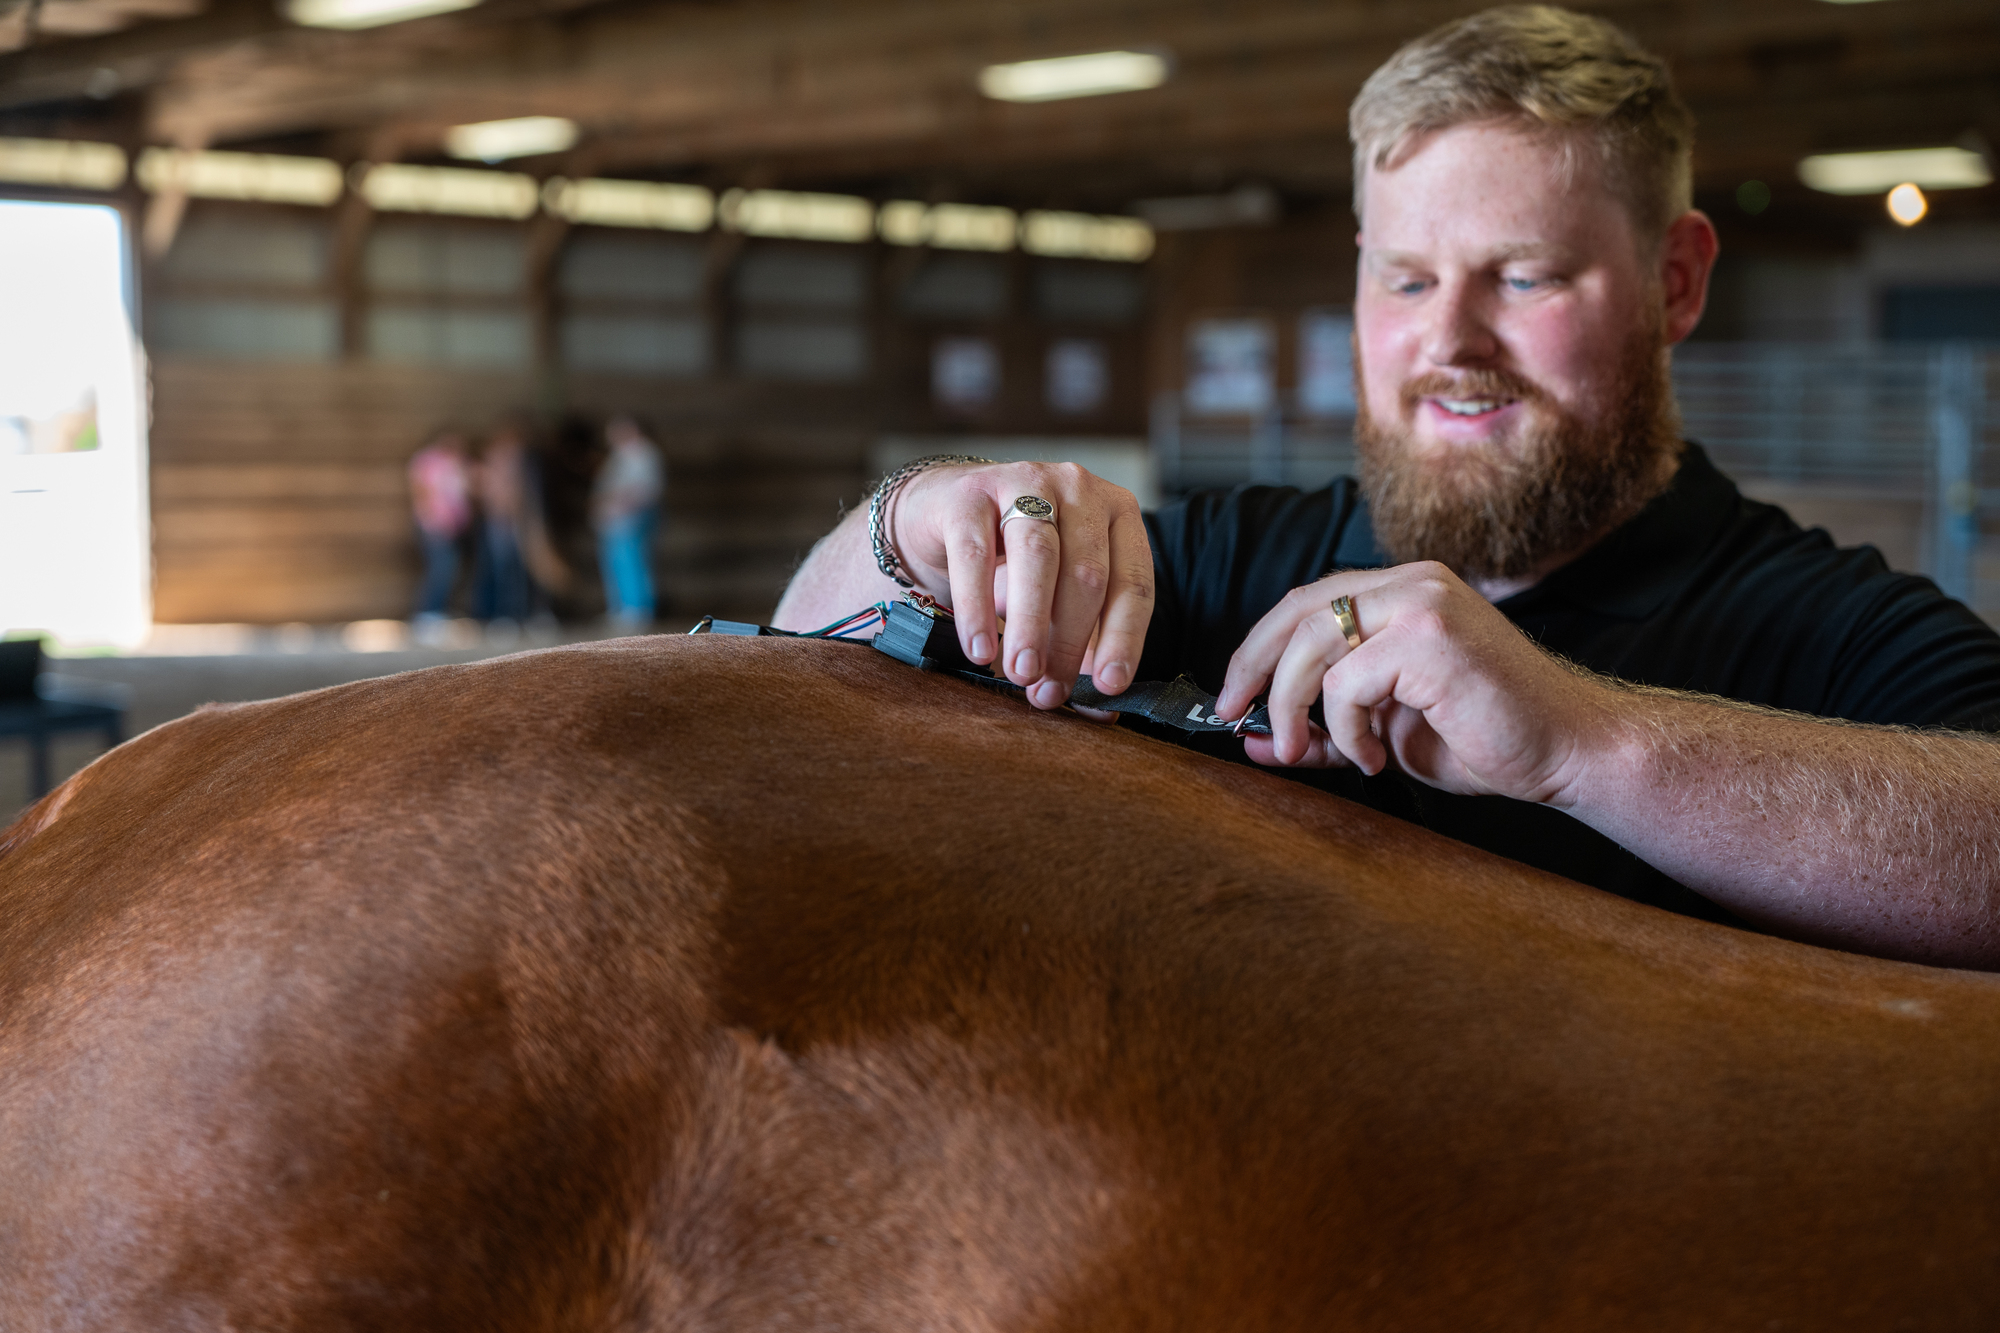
{"points": [[1611, 740], [881, 543]]}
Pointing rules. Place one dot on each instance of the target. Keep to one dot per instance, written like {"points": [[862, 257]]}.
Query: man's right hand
{"points": [[1076, 594], [1088, 575]]}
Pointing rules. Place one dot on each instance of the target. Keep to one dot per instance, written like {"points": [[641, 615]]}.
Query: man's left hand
{"points": [[1442, 684]]}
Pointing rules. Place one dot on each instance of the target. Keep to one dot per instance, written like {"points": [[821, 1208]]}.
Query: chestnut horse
{"points": [[727, 984]]}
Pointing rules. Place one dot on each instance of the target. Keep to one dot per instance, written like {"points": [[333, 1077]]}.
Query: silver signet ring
{"points": [[1029, 506]]}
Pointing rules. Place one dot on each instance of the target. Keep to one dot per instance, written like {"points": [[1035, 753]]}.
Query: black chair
{"points": [[38, 707]]}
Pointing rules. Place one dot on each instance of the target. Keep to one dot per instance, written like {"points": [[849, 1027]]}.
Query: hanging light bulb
{"points": [[1907, 204]]}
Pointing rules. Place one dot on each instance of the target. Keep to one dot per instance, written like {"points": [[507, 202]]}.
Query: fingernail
{"points": [[1027, 664], [982, 647], [1047, 694], [1112, 677]]}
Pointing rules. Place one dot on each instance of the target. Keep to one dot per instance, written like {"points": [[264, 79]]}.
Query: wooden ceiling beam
{"points": [[832, 90], [665, 63], [138, 56]]}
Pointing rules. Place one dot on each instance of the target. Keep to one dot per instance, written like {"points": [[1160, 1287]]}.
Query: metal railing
{"points": [[1884, 424], [1912, 426]]}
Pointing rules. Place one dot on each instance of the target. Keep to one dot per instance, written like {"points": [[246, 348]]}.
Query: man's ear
{"points": [[1687, 257]]}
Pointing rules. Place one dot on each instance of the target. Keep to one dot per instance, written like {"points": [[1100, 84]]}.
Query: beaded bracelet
{"points": [[886, 558]]}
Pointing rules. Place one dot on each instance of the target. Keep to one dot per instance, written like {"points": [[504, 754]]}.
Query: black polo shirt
{"points": [[1704, 590]]}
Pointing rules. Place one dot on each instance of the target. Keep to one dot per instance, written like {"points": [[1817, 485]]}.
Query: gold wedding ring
{"points": [[1343, 611]]}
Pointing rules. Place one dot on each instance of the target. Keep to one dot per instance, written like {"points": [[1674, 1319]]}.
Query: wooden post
{"points": [[353, 219], [718, 300], [546, 234]]}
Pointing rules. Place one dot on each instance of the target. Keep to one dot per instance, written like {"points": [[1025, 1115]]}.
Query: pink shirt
{"points": [[440, 491]]}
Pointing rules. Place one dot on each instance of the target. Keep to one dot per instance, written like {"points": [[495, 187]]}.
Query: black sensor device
{"points": [[923, 638]]}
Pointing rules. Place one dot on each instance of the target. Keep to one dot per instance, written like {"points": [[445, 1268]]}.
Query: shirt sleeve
{"points": [[1914, 656], [1780, 616]]}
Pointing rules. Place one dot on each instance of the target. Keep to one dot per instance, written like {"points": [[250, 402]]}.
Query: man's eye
{"points": [[1525, 284], [1406, 286]]}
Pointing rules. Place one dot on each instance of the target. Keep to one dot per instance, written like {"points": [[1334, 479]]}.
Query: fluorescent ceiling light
{"points": [[904, 222], [603, 202], [1245, 206], [805, 217], [1872, 173], [64, 162], [497, 140], [264, 177], [972, 227], [367, 13], [983, 227], [1086, 236], [398, 188], [1074, 76]]}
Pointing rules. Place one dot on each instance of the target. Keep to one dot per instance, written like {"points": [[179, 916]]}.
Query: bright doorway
{"points": [[75, 548]]}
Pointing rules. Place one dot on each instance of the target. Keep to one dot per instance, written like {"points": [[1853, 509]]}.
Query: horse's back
{"points": [[725, 983]]}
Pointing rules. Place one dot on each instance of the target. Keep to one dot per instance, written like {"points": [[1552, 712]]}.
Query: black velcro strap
{"points": [[924, 638], [1174, 703]]}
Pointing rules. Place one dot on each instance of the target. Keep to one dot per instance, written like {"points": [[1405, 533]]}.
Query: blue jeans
{"points": [[501, 589], [624, 554], [440, 573]]}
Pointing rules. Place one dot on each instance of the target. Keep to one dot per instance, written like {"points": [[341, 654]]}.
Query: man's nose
{"points": [[1459, 332]]}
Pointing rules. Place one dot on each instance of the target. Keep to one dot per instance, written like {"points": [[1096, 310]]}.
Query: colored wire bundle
{"points": [[847, 626]]}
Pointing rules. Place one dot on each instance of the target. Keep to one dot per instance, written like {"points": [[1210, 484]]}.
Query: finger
{"points": [[1350, 715], [1128, 606], [1315, 645], [1085, 572], [1250, 667], [1033, 550], [971, 562], [1319, 752], [1417, 748]]}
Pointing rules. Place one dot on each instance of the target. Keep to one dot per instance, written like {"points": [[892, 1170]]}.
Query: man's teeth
{"points": [[1469, 407]]}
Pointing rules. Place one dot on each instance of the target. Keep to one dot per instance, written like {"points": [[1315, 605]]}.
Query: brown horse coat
{"points": [[717, 984]]}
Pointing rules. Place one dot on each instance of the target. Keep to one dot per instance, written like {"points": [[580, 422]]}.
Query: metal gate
{"points": [[1906, 425]]}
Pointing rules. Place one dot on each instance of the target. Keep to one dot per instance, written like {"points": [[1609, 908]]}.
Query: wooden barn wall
{"points": [[278, 484], [279, 494], [296, 368], [1278, 272]]}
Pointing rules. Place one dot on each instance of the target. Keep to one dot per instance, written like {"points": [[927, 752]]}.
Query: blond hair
{"points": [[1569, 76]]}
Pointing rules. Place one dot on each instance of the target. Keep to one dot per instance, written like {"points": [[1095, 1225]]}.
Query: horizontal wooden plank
{"points": [[259, 568], [260, 483], [277, 525], [322, 597], [279, 491], [277, 590]]}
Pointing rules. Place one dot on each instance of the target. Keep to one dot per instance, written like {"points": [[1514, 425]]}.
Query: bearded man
{"points": [[1552, 628]]}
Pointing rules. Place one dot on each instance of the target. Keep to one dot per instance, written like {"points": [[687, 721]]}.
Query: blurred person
{"points": [[1553, 628], [624, 509], [441, 503], [502, 589]]}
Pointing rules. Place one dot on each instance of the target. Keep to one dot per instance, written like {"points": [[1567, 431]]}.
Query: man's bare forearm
{"points": [[838, 576], [1877, 839]]}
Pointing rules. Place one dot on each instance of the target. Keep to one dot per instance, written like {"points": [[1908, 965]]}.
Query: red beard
{"points": [[1494, 514]]}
